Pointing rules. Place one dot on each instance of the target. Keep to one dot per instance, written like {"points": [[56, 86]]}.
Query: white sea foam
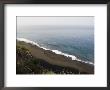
{"points": [[55, 51], [67, 55]]}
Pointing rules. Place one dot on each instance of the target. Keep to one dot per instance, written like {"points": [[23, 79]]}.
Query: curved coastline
{"points": [[54, 58], [55, 51]]}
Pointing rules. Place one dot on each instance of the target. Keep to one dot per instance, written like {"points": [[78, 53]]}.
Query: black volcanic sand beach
{"points": [[31, 59]]}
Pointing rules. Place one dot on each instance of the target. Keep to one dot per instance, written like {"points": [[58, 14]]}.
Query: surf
{"points": [[73, 57]]}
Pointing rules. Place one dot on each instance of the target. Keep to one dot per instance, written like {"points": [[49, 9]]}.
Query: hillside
{"points": [[29, 62]]}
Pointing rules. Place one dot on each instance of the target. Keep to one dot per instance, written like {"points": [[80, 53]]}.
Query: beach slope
{"points": [[55, 63]]}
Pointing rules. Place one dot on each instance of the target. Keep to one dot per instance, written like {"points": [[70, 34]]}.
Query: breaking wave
{"points": [[55, 51]]}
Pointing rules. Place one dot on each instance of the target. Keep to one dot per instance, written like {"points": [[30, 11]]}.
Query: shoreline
{"points": [[73, 57], [55, 58]]}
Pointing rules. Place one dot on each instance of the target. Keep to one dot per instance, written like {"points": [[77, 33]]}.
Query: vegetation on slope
{"points": [[26, 63]]}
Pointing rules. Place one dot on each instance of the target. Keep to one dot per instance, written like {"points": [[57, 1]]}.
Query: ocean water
{"points": [[76, 41]]}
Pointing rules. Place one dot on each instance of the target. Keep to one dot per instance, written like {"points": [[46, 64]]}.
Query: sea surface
{"points": [[76, 41]]}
